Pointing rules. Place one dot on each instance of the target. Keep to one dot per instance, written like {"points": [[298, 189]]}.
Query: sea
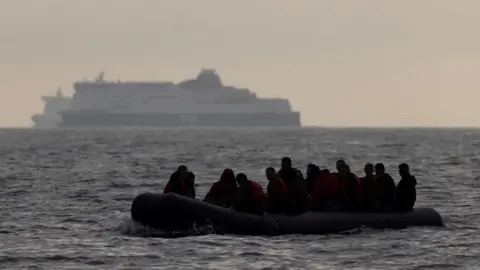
{"points": [[66, 197]]}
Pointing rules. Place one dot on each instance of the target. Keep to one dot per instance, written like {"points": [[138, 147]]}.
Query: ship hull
{"points": [[178, 120], [43, 121]]}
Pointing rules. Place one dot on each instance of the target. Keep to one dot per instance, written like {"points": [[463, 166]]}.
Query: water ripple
{"points": [[65, 198]]}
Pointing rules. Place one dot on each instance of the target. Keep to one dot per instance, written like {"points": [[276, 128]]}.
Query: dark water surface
{"points": [[65, 198]]}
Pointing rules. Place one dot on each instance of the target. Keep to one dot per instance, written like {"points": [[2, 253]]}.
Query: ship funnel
{"points": [[208, 77]]}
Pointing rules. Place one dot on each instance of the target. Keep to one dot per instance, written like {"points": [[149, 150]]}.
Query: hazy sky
{"points": [[355, 63]]}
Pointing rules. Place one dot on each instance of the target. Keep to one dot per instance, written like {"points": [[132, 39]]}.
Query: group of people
{"points": [[288, 192]]}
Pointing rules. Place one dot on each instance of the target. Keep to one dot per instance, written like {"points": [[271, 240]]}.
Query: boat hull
{"points": [[168, 211]]}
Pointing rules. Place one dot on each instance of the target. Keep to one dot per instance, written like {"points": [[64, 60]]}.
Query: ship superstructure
{"points": [[202, 101], [52, 106]]}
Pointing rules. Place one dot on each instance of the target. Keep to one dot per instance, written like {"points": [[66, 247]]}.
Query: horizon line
{"points": [[253, 127]]}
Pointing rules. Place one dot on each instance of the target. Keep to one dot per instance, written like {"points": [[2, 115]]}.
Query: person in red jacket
{"points": [[179, 182], [277, 191], [327, 193], [223, 192], [250, 197]]}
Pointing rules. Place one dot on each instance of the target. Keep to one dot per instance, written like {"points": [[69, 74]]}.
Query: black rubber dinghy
{"points": [[171, 211]]}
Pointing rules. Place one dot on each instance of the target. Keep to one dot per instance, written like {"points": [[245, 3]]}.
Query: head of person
{"points": [[342, 169], [327, 171], [286, 163], [368, 169], [270, 173], [314, 171], [182, 171], [403, 170], [227, 176], [242, 179], [310, 169], [379, 169], [340, 165]]}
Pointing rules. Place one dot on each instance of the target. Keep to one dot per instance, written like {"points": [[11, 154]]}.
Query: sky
{"points": [[340, 63]]}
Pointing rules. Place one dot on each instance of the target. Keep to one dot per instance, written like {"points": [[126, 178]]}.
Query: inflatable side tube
{"points": [[172, 211], [323, 222]]}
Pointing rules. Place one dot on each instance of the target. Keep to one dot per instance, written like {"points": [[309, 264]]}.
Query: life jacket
{"points": [[257, 192], [327, 188], [222, 191], [283, 187], [183, 187]]}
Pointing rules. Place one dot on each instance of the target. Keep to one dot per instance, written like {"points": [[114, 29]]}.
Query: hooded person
{"points": [[178, 182], [250, 197], [223, 192], [328, 194]]}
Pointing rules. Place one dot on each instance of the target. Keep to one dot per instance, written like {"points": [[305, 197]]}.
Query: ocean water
{"points": [[66, 196]]}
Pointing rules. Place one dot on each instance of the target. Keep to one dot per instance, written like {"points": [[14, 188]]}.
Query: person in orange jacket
{"points": [[250, 197], [277, 191], [224, 191]]}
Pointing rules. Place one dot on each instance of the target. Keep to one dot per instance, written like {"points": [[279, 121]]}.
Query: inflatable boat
{"points": [[171, 211]]}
